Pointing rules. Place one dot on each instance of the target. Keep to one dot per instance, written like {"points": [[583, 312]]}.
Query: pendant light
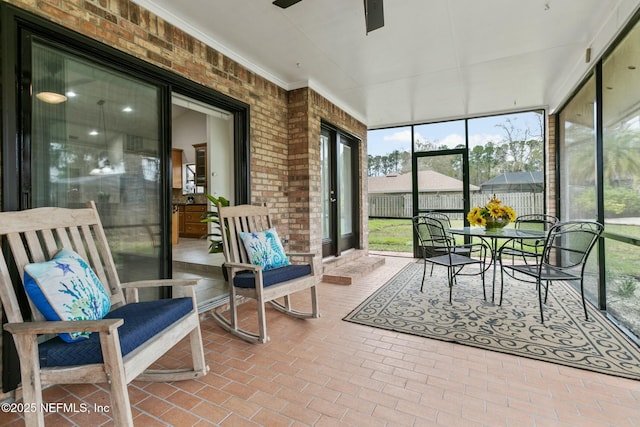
{"points": [[104, 166]]}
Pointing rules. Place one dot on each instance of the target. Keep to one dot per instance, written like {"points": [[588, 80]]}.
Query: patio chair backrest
{"points": [[439, 216], [539, 222], [569, 244], [242, 218], [431, 231]]}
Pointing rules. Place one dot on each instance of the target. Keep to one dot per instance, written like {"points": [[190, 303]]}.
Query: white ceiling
{"points": [[433, 59]]}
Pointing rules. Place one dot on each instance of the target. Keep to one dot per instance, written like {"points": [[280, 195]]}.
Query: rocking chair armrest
{"points": [[242, 266], [160, 282], [186, 285], [60, 326], [301, 254]]}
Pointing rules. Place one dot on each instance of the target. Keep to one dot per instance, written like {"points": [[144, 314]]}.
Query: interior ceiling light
{"points": [[51, 97], [49, 83]]}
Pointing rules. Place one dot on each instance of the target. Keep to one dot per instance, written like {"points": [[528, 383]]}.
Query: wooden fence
{"points": [[401, 206]]}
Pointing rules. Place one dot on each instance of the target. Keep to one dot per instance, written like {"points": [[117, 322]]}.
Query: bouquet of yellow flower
{"points": [[493, 215]]}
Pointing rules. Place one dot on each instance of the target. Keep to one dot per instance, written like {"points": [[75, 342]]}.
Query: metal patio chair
{"points": [[530, 247], [525, 251], [435, 249], [564, 256], [440, 248]]}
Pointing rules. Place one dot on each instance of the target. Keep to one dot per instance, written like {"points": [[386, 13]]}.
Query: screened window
{"points": [[578, 170], [506, 158], [621, 179]]}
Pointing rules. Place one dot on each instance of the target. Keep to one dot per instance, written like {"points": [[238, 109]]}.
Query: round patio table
{"points": [[491, 238]]}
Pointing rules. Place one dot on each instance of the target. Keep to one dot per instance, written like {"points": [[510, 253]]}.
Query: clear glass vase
{"points": [[496, 224]]}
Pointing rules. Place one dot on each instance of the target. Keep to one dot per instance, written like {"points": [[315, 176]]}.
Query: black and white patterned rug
{"points": [[565, 338]]}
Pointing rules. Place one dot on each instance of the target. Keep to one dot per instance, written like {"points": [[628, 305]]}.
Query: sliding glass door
{"points": [[95, 136]]}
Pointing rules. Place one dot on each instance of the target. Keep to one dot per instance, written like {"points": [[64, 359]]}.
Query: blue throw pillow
{"points": [[66, 288], [265, 249]]}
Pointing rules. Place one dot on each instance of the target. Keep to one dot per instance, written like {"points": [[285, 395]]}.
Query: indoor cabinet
{"points": [[201, 165], [190, 225], [175, 225], [176, 168]]}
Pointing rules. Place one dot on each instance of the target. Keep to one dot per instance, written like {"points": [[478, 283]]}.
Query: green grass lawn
{"points": [[391, 235]]}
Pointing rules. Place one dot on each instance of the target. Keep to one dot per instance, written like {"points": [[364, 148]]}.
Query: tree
{"points": [[520, 149], [621, 155], [394, 162]]}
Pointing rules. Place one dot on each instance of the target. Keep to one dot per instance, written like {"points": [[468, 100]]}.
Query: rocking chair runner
{"points": [[122, 345], [253, 281]]}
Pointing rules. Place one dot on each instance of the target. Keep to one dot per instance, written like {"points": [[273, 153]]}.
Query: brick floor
{"points": [[327, 372]]}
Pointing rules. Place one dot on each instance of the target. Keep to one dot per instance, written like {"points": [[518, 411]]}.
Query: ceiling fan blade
{"points": [[285, 3], [373, 14]]}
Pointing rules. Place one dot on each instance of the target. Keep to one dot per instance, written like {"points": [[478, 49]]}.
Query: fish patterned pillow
{"points": [[66, 288], [265, 249]]}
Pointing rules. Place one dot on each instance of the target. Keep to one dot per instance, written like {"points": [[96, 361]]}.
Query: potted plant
{"points": [[215, 232]]}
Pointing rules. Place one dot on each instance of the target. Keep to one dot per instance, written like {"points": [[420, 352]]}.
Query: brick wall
{"points": [[301, 190]]}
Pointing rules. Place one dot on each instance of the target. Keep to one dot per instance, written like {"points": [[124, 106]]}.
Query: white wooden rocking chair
{"points": [[115, 352], [253, 281]]}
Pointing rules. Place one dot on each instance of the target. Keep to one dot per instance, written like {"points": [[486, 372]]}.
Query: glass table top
{"points": [[504, 233]]}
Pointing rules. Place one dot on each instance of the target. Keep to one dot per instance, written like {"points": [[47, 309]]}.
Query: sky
{"points": [[481, 130]]}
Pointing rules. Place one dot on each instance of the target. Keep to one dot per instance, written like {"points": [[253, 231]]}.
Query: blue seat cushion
{"points": [[273, 276], [142, 320]]}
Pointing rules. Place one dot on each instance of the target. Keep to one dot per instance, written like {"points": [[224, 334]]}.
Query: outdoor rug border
{"points": [[569, 340]]}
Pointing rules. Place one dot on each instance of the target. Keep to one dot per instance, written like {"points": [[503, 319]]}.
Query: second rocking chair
{"points": [[258, 268]]}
